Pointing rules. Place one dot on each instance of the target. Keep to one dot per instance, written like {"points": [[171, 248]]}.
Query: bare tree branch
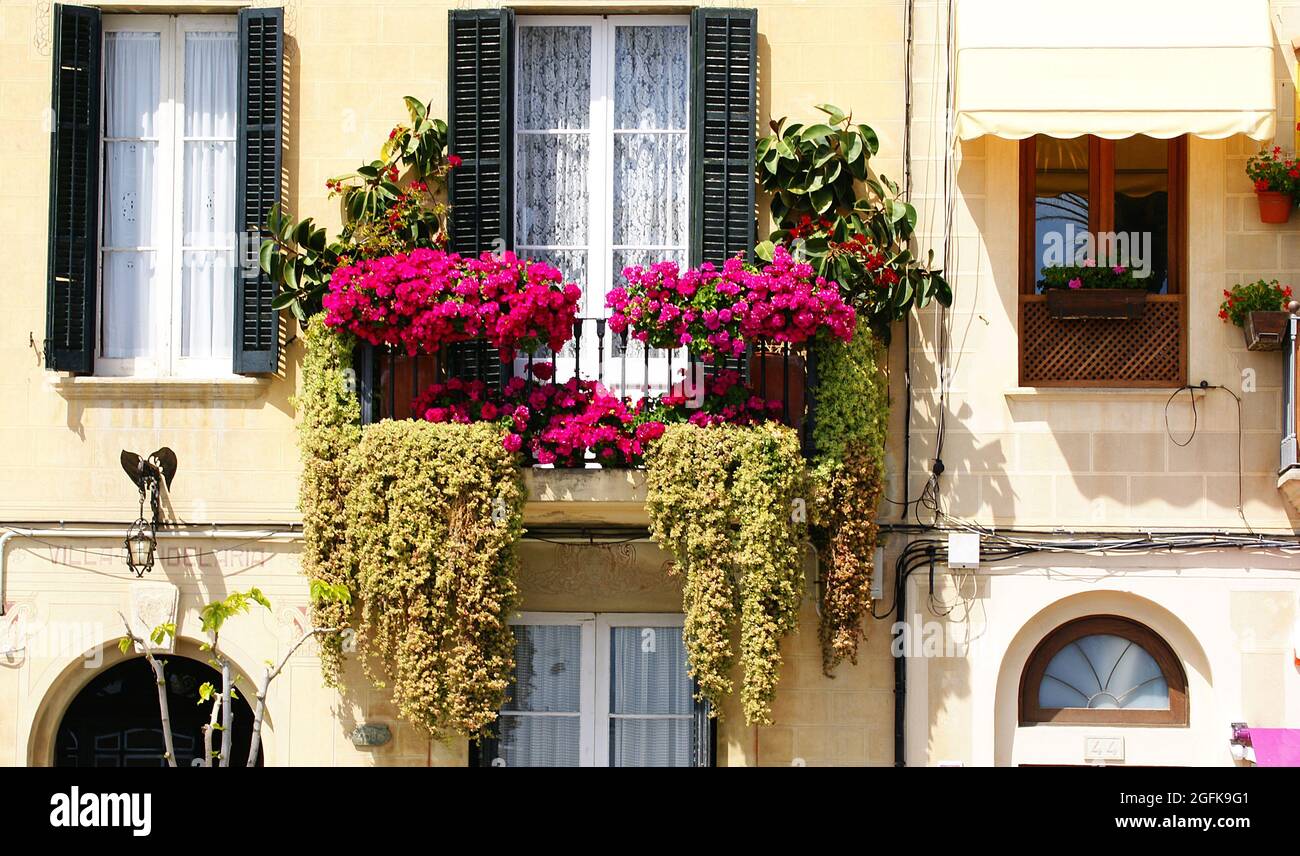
{"points": [[160, 679], [272, 674]]}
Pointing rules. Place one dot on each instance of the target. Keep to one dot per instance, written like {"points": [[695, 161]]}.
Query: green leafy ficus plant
{"points": [[392, 204], [1259, 296], [850, 224]]}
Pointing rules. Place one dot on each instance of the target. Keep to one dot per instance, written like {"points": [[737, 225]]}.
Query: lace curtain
{"points": [[650, 154], [554, 147], [647, 149]]}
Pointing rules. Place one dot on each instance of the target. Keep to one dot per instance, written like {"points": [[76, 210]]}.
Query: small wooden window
{"points": [[1090, 186], [1103, 670]]}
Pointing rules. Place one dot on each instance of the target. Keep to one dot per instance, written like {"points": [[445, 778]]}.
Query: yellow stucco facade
{"points": [[1093, 460]]}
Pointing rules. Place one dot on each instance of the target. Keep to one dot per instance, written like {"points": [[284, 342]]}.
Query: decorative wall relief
{"points": [[153, 603]]}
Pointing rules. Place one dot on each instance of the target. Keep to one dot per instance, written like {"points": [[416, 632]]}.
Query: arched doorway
{"points": [[114, 720]]}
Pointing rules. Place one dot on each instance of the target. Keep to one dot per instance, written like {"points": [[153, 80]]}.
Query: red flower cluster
{"points": [[719, 312], [549, 423], [807, 227], [1259, 296], [1271, 169], [787, 303], [425, 299], [866, 256], [726, 402]]}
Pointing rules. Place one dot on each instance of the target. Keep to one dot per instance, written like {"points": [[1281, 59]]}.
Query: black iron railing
{"points": [[388, 380]]}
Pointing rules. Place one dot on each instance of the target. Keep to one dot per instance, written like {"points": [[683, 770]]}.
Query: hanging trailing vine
{"points": [[419, 523], [433, 515], [725, 502], [848, 467], [327, 433]]}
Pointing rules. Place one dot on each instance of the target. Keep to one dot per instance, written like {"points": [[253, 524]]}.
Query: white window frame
{"points": [[627, 377], [169, 192], [586, 621], [594, 687]]}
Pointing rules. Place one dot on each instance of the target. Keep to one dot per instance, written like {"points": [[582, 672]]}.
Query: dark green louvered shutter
{"points": [[724, 69], [480, 131], [261, 84], [74, 192]]}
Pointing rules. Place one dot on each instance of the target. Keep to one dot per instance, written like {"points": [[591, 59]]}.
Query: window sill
{"points": [[1084, 393], [141, 389]]}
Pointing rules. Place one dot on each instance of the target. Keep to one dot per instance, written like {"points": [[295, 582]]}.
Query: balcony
{"points": [[388, 381]]}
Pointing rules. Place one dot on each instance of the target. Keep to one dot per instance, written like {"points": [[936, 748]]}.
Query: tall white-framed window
{"points": [[167, 210], [602, 156], [604, 690]]}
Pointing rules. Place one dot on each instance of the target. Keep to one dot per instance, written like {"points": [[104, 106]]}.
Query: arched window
{"points": [[1103, 670], [114, 720]]}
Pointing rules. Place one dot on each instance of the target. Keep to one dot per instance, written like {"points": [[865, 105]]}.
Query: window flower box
{"points": [[1116, 304], [1264, 331]]}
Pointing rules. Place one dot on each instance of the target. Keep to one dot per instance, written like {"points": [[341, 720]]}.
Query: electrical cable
{"points": [[1195, 416], [116, 554], [1241, 464]]}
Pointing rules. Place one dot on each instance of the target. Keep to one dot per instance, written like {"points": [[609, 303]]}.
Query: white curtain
{"points": [[548, 681], [650, 698], [132, 234], [208, 216]]}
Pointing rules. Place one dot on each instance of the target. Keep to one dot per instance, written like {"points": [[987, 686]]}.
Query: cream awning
{"points": [[1115, 68]]}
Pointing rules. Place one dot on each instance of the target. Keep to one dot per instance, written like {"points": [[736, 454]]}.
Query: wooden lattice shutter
{"points": [[723, 117], [74, 191], [261, 83], [480, 131]]}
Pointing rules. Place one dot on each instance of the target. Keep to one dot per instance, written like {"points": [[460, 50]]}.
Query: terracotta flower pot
{"points": [[769, 379], [1274, 206], [1264, 331]]}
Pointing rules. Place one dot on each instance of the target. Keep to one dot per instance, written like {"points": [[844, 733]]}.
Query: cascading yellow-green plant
{"points": [[420, 523], [726, 503], [852, 398], [433, 516], [327, 433]]}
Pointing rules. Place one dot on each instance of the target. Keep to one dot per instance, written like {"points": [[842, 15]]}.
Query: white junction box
{"points": [[963, 550]]}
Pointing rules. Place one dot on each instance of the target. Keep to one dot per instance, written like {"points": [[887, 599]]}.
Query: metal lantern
{"points": [[140, 545], [150, 476]]}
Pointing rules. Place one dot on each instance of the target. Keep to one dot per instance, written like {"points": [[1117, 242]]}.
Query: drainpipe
{"points": [[211, 534], [905, 567]]}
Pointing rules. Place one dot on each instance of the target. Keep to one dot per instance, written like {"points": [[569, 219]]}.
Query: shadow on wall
{"points": [[1067, 456], [950, 619], [974, 463]]}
